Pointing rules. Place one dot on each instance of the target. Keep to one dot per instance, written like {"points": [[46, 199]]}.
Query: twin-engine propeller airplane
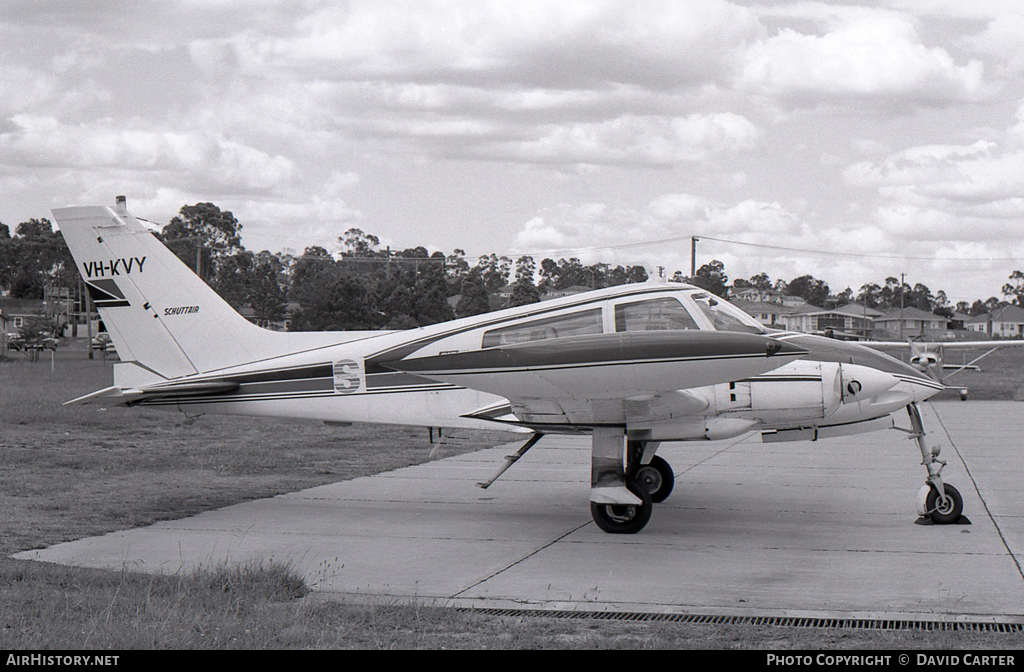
{"points": [[929, 358], [633, 366]]}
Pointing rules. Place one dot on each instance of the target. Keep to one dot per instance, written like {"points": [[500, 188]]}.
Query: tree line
{"points": [[894, 294], [367, 287]]}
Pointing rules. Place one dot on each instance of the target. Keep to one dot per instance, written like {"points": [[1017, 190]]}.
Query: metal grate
{"points": [[786, 621]]}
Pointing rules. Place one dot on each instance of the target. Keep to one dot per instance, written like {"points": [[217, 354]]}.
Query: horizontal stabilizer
{"points": [[112, 393], [129, 396]]}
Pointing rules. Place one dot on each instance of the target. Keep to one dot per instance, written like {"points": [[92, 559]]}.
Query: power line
{"points": [[854, 254], [688, 237], [782, 248]]}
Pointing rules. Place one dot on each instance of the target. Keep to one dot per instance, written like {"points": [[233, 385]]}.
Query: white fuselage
{"points": [[347, 382]]}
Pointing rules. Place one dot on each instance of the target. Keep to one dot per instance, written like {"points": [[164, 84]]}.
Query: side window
{"points": [[574, 324], [653, 315]]}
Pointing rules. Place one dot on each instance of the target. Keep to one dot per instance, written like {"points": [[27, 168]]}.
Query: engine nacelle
{"points": [[801, 390], [801, 394]]}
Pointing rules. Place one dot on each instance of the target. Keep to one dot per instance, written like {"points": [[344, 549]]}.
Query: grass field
{"points": [[73, 472]]}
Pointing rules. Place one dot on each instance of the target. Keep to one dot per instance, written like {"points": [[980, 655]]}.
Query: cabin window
{"points": [[653, 315], [573, 324]]}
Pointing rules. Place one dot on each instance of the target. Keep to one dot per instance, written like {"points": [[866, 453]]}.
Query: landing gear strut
{"points": [[627, 479], [939, 501], [619, 503]]}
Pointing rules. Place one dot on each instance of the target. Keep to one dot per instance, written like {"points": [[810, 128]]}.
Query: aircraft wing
{"points": [[927, 356], [646, 408], [605, 378], [945, 345]]}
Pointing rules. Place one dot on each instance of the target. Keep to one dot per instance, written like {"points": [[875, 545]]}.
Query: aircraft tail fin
{"points": [[161, 316]]}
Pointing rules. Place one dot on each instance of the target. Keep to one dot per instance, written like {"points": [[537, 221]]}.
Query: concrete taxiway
{"points": [[790, 529]]}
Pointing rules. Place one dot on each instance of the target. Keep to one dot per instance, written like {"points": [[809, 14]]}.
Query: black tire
{"points": [[658, 478], [950, 510], [624, 518]]}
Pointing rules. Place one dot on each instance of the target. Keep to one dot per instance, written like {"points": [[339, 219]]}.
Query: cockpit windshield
{"points": [[724, 316]]}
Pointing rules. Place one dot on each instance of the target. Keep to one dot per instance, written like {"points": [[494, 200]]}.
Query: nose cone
{"points": [[863, 382]]}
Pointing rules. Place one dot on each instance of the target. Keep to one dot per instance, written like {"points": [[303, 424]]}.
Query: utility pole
{"points": [[88, 320], [199, 254], [693, 257], [902, 282]]}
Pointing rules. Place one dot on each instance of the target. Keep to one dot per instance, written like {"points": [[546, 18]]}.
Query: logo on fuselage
{"points": [[112, 267], [348, 376]]}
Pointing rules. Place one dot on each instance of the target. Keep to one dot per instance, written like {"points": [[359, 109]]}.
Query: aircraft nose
{"points": [[863, 382]]}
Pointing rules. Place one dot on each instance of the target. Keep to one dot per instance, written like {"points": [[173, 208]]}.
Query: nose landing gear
{"points": [[939, 501]]}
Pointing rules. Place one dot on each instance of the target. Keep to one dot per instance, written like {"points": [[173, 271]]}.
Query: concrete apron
{"points": [[824, 529]]}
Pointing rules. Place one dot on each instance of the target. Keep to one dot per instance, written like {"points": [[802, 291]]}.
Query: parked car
{"points": [[18, 342], [103, 343]]}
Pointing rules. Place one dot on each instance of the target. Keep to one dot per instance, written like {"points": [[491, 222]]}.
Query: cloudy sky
{"points": [[849, 140]]}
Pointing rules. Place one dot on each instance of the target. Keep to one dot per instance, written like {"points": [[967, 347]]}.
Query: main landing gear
{"points": [[938, 501], [623, 491]]}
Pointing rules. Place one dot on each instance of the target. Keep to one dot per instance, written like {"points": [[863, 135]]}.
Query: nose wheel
{"points": [[944, 509]]}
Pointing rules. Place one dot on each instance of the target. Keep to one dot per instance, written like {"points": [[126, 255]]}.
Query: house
{"points": [[4, 326], [958, 321], [1003, 322], [910, 323], [791, 301], [282, 324], [559, 293], [850, 322], [18, 310], [765, 312], [754, 295], [978, 323]]}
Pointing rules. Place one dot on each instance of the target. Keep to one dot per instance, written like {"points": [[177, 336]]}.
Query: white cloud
{"points": [[23, 88], [928, 164], [554, 45], [182, 157], [670, 216], [339, 182], [543, 125], [637, 140], [874, 56], [978, 180], [295, 224]]}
